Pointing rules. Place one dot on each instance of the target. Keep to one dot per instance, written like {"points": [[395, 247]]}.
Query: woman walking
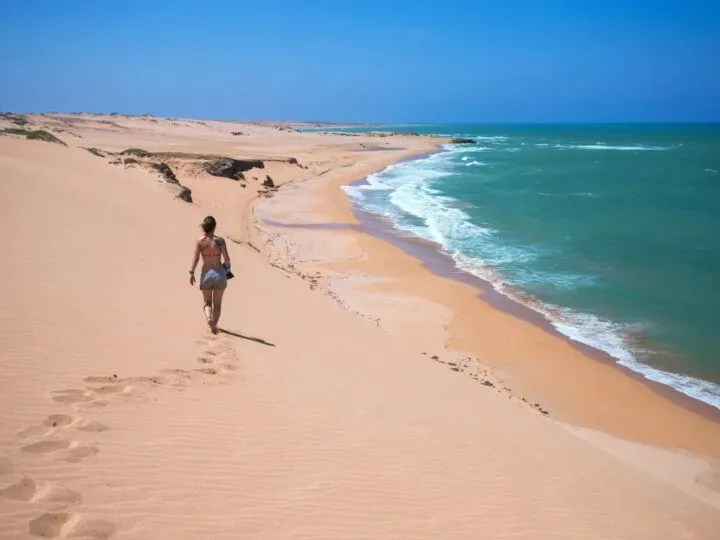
{"points": [[213, 276]]}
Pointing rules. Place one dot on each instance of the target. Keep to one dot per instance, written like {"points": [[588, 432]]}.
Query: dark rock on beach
{"points": [[462, 141], [268, 182], [232, 168]]}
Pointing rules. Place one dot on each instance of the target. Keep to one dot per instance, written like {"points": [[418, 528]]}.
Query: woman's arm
{"points": [[223, 249], [196, 258]]}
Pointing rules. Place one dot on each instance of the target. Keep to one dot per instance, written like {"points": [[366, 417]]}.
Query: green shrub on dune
{"points": [[37, 135], [42, 135], [136, 152], [95, 152], [15, 131], [17, 119]]}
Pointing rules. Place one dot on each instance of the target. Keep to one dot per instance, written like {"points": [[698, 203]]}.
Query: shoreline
{"points": [[442, 265], [344, 216]]}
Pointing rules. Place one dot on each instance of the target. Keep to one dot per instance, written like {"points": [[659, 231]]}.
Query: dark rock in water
{"points": [[268, 181], [185, 194], [166, 172], [462, 141], [232, 168]]}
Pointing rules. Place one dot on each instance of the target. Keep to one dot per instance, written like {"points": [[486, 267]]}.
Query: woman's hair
{"points": [[209, 224]]}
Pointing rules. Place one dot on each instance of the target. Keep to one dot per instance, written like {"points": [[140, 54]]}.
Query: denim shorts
{"points": [[213, 278]]}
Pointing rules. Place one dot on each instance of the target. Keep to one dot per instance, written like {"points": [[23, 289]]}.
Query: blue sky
{"points": [[386, 61]]}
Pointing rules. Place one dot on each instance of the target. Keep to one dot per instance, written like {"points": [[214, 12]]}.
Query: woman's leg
{"points": [[217, 295], [208, 306]]}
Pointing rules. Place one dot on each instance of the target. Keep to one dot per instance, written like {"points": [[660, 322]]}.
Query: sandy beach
{"points": [[352, 392]]}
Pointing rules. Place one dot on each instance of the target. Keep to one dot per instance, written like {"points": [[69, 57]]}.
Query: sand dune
{"points": [[122, 416]]}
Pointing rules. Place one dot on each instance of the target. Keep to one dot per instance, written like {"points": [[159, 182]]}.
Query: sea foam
{"points": [[404, 194], [609, 147]]}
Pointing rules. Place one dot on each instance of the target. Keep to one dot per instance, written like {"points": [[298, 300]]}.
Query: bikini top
{"points": [[219, 242]]}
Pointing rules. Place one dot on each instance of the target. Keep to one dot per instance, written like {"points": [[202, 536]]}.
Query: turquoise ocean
{"points": [[612, 232]]}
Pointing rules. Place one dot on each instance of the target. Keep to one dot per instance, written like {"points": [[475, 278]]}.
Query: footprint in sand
{"points": [[108, 389], [51, 422], [104, 379], [72, 395], [63, 524], [92, 426], [34, 431], [229, 367], [28, 490], [79, 451], [72, 451], [179, 377], [96, 404], [58, 420], [24, 490], [150, 381], [64, 420], [45, 447], [121, 389]]}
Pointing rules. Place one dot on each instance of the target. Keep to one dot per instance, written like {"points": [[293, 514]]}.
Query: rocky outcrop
{"points": [[181, 192], [232, 168], [166, 172], [460, 140], [184, 194], [268, 182]]}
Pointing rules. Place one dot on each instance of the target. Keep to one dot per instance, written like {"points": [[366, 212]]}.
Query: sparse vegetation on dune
{"points": [[42, 135], [17, 119], [95, 152], [15, 131], [136, 152], [36, 135]]}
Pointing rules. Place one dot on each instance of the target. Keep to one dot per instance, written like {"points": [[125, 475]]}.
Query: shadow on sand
{"points": [[250, 338]]}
